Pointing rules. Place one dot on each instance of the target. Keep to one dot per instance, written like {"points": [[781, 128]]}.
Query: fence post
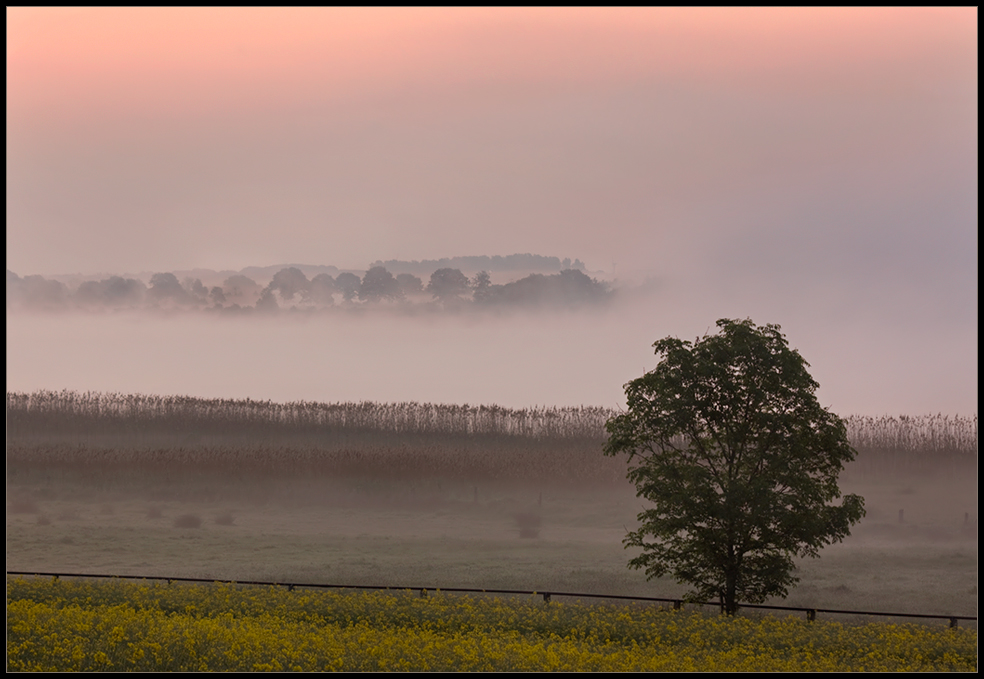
{"points": [[546, 597], [953, 623], [811, 614], [677, 604]]}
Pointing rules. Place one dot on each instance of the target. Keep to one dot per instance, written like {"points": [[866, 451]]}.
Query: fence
{"points": [[811, 613]]}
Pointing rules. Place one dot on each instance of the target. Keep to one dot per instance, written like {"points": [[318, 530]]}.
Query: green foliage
{"points": [[739, 461]]}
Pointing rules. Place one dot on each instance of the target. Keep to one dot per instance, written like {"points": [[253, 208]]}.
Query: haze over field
{"points": [[811, 168]]}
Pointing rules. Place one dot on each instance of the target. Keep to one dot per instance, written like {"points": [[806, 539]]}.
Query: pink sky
{"points": [[796, 165], [178, 63], [238, 95]]}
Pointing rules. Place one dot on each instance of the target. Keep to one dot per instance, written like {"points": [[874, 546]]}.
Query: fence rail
{"points": [[811, 613]]}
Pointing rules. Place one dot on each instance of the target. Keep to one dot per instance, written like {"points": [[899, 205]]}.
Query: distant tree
{"points": [[165, 288], [195, 288], [448, 284], [218, 297], [322, 287], [37, 292], [569, 288], [483, 292], [575, 287], [378, 284], [530, 290], [289, 282], [114, 292], [409, 284], [739, 463], [238, 284], [348, 284], [267, 302], [119, 290], [13, 287], [240, 289]]}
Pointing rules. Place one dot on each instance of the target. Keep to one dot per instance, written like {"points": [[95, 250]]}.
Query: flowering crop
{"points": [[86, 626]]}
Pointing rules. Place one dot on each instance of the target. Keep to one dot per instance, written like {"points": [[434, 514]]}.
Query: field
{"points": [[80, 626], [277, 497]]}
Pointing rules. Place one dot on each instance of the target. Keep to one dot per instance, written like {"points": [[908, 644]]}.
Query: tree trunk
{"points": [[730, 589]]}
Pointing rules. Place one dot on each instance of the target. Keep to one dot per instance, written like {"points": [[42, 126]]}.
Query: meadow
{"points": [[420, 495], [113, 626]]}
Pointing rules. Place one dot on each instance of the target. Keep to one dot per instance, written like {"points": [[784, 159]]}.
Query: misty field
{"points": [[419, 495]]}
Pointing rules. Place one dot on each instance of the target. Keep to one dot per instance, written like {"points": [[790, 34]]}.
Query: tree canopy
{"points": [[447, 284], [728, 443], [377, 284], [348, 284], [289, 282]]}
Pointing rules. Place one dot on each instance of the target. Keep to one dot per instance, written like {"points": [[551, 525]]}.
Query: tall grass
{"points": [[109, 430], [91, 409], [461, 441]]}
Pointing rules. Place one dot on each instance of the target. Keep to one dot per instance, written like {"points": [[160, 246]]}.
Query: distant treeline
{"points": [[524, 262], [389, 438], [290, 288]]}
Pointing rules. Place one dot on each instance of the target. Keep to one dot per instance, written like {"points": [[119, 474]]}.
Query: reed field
{"points": [[423, 495], [114, 626], [456, 441]]}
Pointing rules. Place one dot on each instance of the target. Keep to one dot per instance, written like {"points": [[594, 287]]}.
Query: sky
{"points": [[815, 168]]}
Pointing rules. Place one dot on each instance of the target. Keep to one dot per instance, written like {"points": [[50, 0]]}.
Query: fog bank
{"points": [[864, 364]]}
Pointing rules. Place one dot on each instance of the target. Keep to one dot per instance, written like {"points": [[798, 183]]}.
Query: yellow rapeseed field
{"points": [[114, 625]]}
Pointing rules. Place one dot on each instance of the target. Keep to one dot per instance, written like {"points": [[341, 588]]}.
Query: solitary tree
{"points": [[738, 461]]}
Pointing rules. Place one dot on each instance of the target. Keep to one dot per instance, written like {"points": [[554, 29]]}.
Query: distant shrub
{"points": [[224, 519], [188, 521], [529, 524]]}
